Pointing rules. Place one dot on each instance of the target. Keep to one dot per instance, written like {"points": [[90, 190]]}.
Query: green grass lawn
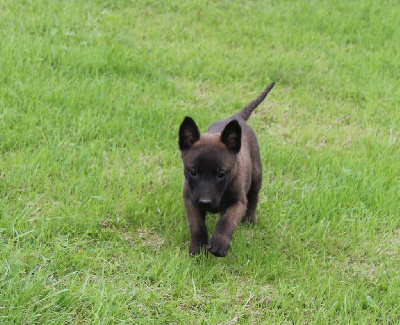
{"points": [[92, 224]]}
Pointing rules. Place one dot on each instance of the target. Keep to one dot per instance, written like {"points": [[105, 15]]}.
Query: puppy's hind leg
{"points": [[252, 200]]}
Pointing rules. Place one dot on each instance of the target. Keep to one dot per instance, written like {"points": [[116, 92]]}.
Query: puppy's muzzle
{"points": [[205, 203]]}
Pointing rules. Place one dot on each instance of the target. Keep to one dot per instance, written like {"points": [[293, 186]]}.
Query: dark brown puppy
{"points": [[223, 174]]}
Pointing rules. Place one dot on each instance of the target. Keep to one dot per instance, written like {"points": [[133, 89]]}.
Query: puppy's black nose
{"points": [[205, 202]]}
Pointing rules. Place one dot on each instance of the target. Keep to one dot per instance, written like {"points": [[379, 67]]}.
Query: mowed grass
{"points": [[92, 225]]}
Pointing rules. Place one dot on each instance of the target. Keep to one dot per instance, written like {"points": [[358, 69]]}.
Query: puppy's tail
{"points": [[246, 112]]}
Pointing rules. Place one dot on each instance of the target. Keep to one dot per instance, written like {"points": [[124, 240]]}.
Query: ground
{"points": [[92, 224]]}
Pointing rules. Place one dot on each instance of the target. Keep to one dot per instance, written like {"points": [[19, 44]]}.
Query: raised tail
{"points": [[246, 112]]}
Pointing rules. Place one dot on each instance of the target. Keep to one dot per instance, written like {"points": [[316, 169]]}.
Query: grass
{"points": [[92, 225]]}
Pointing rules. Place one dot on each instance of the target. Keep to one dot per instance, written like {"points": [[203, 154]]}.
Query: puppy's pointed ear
{"points": [[231, 136], [188, 133]]}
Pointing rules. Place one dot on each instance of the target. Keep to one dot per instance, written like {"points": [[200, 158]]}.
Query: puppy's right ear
{"points": [[188, 133]]}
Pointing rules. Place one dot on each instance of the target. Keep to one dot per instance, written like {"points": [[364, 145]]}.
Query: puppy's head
{"points": [[208, 161]]}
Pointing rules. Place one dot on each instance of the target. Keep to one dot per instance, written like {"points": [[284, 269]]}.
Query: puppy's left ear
{"points": [[188, 133], [231, 136]]}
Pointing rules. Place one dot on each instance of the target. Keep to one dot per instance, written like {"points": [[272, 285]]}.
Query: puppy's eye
{"points": [[192, 172], [221, 175]]}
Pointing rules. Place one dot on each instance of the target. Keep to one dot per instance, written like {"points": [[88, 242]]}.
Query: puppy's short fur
{"points": [[223, 174]]}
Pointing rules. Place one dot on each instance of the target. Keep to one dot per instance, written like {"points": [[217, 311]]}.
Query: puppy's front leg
{"points": [[226, 225], [197, 227]]}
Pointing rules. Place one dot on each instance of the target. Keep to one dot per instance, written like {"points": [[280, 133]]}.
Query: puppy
{"points": [[223, 173]]}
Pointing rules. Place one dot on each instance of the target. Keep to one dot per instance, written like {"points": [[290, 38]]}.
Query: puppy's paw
{"points": [[196, 249], [219, 245], [248, 220]]}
